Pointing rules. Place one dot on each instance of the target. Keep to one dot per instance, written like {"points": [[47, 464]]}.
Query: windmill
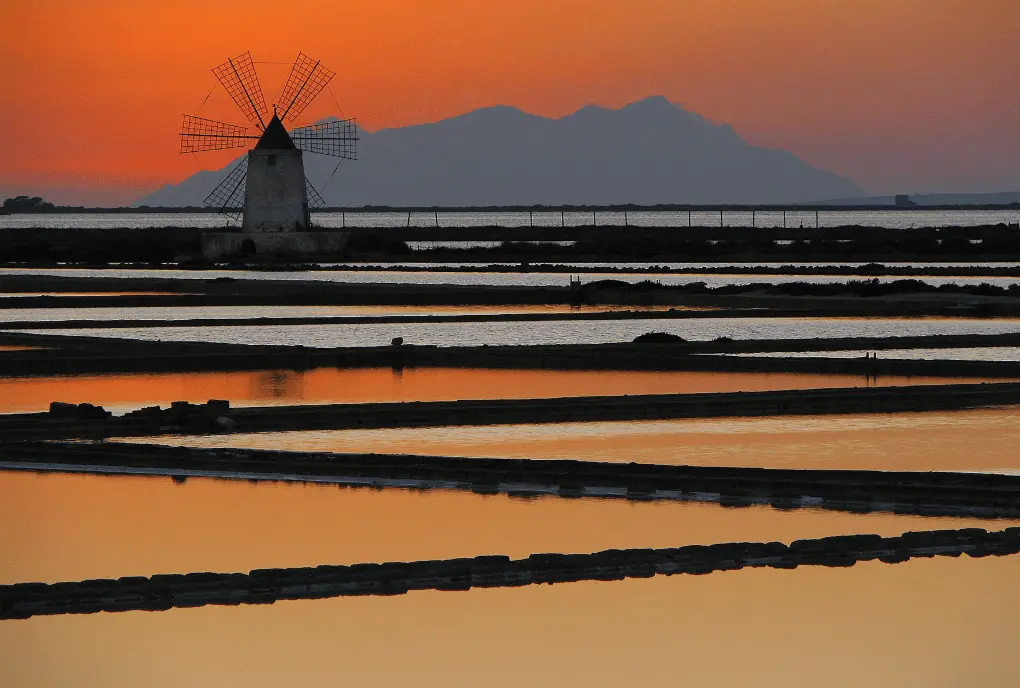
{"points": [[269, 183]]}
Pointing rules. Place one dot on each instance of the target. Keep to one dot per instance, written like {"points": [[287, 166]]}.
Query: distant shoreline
{"points": [[697, 208]]}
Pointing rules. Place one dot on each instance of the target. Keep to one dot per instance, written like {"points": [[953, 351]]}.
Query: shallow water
{"points": [[977, 353], [73, 527], [483, 278], [982, 440], [930, 622], [555, 332], [896, 219], [126, 392], [237, 312]]}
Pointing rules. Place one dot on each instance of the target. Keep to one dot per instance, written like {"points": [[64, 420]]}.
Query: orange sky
{"points": [[901, 95]]}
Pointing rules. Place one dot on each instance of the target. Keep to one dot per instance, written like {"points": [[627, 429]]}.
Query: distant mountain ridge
{"points": [[646, 153]]}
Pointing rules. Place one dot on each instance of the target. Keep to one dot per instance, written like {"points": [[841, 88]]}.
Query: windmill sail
{"points": [[307, 79], [199, 134], [228, 196], [241, 82], [336, 137], [274, 167], [313, 198]]}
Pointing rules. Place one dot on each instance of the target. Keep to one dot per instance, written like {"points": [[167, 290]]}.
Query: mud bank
{"points": [[50, 354], [863, 298], [266, 586], [977, 495], [177, 244], [199, 419]]}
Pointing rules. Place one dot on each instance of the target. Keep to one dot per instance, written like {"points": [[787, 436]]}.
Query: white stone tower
{"points": [[269, 184], [275, 198]]}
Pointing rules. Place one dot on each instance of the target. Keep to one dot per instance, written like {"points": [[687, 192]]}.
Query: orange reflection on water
{"points": [[930, 622], [72, 527], [980, 440], [328, 385]]}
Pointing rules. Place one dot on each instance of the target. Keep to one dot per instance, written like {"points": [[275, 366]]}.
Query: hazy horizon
{"points": [[901, 96]]}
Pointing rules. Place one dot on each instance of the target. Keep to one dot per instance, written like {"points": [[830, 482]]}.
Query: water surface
{"points": [[73, 527], [126, 392], [169, 313], [928, 622], [981, 440], [554, 332], [976, 353], [894, 219], [486, 278]]}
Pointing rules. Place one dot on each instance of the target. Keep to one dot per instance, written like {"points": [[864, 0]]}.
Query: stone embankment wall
{"points": [[265, 586], [518, 411], [81, 355]]}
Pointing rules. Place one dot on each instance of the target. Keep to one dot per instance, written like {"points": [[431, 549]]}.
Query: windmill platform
{"points": [[325, 244]]}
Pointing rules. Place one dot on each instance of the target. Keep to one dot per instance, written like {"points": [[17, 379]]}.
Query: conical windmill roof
{"points": [[275, 137]]}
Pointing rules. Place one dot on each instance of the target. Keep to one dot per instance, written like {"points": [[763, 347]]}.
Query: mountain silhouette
{"points": [[648, 152]]}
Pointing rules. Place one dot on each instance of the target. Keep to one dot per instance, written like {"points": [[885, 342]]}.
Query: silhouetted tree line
{"points": [[26, 204]]}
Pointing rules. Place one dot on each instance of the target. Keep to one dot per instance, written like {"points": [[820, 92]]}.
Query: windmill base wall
{"points": [[217, 245]]}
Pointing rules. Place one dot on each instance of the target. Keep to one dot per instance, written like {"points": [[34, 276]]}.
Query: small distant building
{"points": [[903, 201]]}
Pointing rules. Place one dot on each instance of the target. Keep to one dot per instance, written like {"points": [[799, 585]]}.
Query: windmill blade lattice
{"points": [[228, 195], [337, 137], [199, 134], [241, 81], [312, 196], [306, 80]]}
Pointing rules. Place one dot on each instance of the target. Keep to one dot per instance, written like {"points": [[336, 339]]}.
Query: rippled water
{"points": [[553, 332], [982, 440], [900, 219], [533, 279], [239, 312], [977, 353]]}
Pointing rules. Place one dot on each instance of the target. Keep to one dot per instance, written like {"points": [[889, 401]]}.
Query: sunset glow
{"points": [[900, 95]]}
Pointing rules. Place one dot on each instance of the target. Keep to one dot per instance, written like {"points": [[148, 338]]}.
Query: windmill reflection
{"points": [[278, 384]]}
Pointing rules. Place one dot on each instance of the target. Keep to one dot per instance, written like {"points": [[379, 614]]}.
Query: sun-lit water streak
{"points": [[980, 440]]}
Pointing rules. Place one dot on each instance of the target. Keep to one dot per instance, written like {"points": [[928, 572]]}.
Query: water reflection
{"points": [[937, 622], [277, 385], [73, 527], [981, 440], [125, 392]]}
